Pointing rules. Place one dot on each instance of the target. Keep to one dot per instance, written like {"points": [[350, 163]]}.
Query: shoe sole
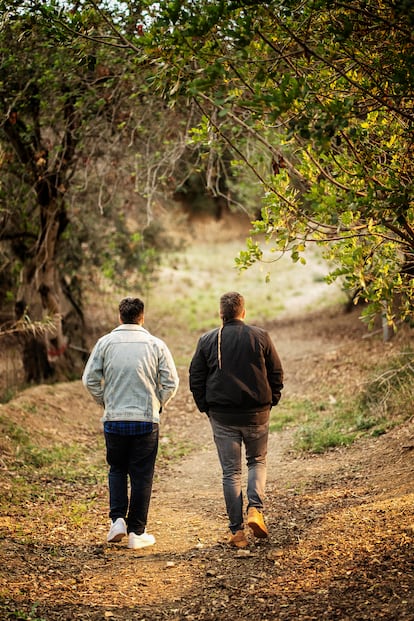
{"points": [[258, 530], [116, 538]]}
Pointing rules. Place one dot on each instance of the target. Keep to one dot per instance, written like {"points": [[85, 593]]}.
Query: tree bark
{"points": [[42, 299]]}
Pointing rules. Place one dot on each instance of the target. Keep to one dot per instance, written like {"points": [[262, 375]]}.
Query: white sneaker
{"points": [[140, 541], [117, 531]]}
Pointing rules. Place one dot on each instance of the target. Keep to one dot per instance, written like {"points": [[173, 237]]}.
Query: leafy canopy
{"points": [[315, 98]]}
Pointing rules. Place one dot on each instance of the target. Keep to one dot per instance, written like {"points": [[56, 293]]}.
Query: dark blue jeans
{"points": [[131, 457]]}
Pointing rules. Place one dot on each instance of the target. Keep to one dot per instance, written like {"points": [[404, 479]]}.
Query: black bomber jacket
{"points": [[236, 369]]}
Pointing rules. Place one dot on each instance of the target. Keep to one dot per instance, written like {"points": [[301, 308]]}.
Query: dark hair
{"points": [[131, 310], [231, 305]]}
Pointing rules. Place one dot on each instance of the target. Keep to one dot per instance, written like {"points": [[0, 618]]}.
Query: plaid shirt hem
{"points": [[128, 427]]}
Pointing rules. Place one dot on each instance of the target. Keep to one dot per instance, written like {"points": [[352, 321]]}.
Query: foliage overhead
{"points": [[78, 162], [68, 109], [315, 99], [311, 102], [86, 152]]}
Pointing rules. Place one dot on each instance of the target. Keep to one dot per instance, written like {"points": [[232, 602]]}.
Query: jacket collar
{"points": [[131, 326], [233, 321]]}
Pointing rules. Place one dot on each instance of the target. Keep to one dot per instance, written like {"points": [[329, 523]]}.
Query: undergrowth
{"points": [[39, 473], [385, 401]]}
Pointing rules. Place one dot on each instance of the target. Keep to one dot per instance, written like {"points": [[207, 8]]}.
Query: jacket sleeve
{"points": [[198, 378], [167, 376], [92, 377], [274, 371]]}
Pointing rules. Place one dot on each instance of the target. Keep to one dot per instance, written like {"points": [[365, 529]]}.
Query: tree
{"points": [[324, 92], [38, 162], [73, 135]]}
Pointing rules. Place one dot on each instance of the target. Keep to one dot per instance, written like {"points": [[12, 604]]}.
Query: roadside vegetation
{"points": [[382, 401]]}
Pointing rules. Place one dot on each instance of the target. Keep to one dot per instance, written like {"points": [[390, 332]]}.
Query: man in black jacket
{"points": [[235, 378]]}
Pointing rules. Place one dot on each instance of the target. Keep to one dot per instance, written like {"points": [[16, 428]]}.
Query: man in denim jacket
{"points": [[132, 375]]}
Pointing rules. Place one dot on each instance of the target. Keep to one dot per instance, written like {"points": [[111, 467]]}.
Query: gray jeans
{"points": [[229, 440]]}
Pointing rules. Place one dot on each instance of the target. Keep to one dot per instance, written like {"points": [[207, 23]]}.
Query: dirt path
{"points": [[341, 545]]}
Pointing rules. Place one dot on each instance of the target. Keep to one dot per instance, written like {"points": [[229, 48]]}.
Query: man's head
{"points": [[232, 306], [131, 310]]}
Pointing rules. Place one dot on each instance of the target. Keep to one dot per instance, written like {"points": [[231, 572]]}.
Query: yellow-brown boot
{"points": [[256, 522], [238, 539]]}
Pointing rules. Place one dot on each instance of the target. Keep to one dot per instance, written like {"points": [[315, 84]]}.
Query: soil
{"points": [[341, 524]]}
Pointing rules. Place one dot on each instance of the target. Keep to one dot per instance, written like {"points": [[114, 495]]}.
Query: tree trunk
{"points": [[53, 317]]}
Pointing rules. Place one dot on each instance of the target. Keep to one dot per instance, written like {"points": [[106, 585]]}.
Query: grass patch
{"points": [[289, 413], [184, 299], [385, 402], [41, 475], [11, 614], [67, 462], [170, 450], [337, 424], [18, 491], [391, 390], [8, 394]]}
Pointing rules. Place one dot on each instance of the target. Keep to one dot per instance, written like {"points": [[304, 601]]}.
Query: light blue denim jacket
{"points": [[131, 374]]}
